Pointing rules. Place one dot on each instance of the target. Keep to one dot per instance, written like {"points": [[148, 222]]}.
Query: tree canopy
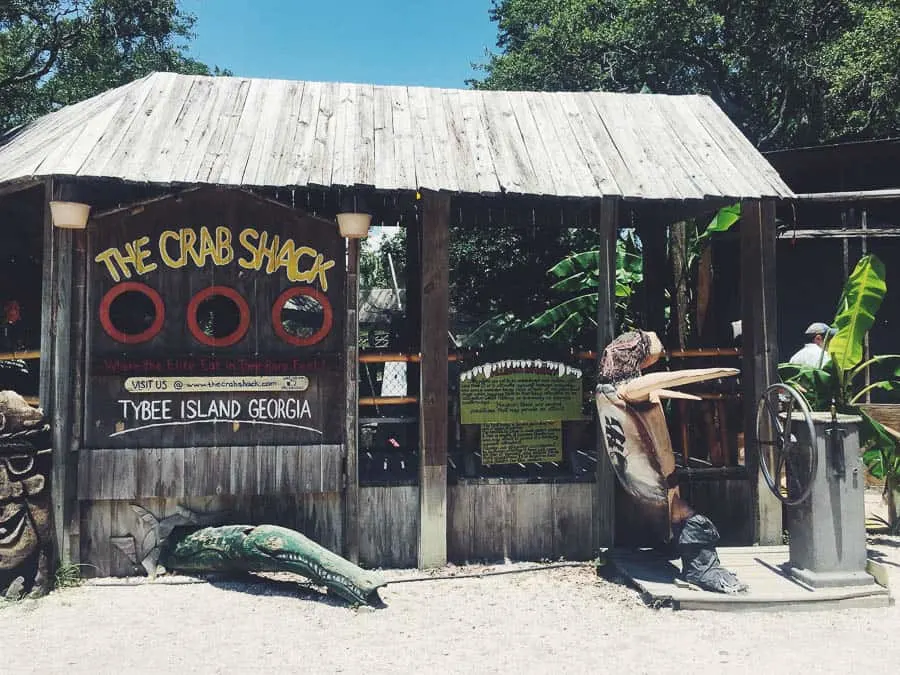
{"points": [[788, 72], [57, 52]]}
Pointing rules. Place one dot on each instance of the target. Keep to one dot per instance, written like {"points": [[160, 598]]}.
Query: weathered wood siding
{"points": [[131, 473], [388, 526], [519, 521]]}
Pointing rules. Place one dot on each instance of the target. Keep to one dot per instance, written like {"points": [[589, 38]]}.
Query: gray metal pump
{"points": [[812, 463]]}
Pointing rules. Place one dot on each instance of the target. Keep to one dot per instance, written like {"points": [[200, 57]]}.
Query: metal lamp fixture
{"points": [[70, 215], [353, 221]]}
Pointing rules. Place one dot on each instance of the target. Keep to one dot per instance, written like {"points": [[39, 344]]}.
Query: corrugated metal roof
{"points": [[168, 128]]}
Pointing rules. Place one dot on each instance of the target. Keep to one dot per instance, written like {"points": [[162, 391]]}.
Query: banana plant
{"points": [[842, 381], [579, 274]]}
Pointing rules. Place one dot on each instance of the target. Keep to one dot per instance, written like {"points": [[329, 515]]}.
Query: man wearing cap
{"points": [[813, 353]]}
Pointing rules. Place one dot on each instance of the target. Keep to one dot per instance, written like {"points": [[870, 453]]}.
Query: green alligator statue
{"points": [[184, 541], [269, 548]]}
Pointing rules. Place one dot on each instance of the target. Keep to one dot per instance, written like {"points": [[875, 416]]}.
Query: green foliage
{"points": [[841, 382], [57, 52], [579, 273], [375, 261], [68, 575], [859, 302], [788, 72]]}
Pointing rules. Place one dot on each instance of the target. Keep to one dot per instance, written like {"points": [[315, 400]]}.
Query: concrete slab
{"points": [[762, 568]]}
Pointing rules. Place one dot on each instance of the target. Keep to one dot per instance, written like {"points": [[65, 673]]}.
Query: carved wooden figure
{"points": [[25, 530], [631, 416]]}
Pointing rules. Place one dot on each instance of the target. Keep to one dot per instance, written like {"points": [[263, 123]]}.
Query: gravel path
{"points": [[562, 620]]}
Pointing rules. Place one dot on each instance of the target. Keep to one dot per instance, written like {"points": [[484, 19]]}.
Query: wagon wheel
{"points": [[788, 455]]}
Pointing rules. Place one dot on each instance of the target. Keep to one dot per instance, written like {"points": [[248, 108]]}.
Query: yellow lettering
{"points": [[224, 250], [244, 237], [140, 255], [108, 258], [321, 267], [188, 240], [207, 245], [271, 252], [174, 263]]}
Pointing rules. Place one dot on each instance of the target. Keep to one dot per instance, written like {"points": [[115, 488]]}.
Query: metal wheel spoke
{"points": [[777, 431], [779, 465], [786, 431]]}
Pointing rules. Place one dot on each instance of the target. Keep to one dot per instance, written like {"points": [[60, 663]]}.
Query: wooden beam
{"points": [[604, 497], [854, 233], [351, 417], [435, 299], [849, 196], [760, 347]]}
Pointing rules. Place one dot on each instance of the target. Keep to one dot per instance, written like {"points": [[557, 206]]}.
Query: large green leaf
{"points": [[818, 386], [584, 306], [724, 219], [577, 282], [859, 302], [586, 261]]}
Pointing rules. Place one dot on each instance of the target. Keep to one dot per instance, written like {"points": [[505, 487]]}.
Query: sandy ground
{"points": [[559, 620]]}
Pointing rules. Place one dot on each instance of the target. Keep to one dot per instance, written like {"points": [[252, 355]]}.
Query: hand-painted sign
{"points": [[261, 251], [518, 391], [145, 413], [217, 321], [521, 443]]}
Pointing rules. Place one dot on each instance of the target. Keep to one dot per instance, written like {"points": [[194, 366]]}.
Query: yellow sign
{"points": [[521, 443], [259, 251], [190, 385]]}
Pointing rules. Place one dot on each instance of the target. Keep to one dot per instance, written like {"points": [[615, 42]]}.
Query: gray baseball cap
{"points": [[819, 328]]}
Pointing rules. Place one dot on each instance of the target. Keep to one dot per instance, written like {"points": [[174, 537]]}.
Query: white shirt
{"points": [[811, 354]]}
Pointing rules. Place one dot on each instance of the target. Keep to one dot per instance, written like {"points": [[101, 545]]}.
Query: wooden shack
{"points": [[198, 342]]}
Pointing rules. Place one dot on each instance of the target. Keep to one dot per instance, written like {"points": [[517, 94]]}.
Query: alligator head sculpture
{"points": [[176, 543], [269, 548]]}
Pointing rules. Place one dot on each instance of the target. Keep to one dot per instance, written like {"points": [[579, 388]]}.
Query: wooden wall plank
{"points": [[494, 522], [572, 520], [206, 471], [332, 468], [532, 538], [267, 463], [460, 523], [321, 519], [435, 299], [388, 522], [244, 468], [760, 352]]}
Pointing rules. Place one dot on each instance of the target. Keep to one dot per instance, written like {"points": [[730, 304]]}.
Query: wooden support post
{"points": [[605, 483], [760, 344], [351, 420], [61, 369], [413, 284], [435, 298]]}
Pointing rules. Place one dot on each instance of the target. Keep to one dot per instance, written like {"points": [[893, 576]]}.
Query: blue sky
{"points": [[413, 42]]}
